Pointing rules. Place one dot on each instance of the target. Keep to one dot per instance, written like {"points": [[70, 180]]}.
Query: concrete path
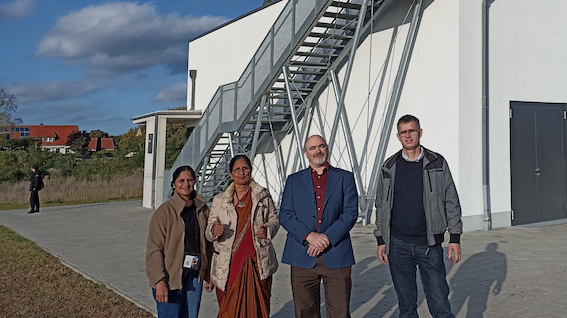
{"points": [[508, 272]]}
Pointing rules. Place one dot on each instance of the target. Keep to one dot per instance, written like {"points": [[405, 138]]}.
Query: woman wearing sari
{"points": [[243, 221]]}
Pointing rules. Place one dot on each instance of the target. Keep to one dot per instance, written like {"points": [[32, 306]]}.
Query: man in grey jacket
{"points": [[416, 203]]}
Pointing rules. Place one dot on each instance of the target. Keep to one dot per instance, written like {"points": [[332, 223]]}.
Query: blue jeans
{"points": [[404, 259], [182, 303]]}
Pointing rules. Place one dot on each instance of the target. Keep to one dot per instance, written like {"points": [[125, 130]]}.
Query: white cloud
{"points": [[175, 93], [57, 90], [118, 37], [16, 10]]}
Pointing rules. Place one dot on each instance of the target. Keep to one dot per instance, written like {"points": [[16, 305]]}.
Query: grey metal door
{"points": [[537, 142]]}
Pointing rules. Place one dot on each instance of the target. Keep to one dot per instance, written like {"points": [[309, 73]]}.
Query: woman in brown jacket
{"points": [[178, 255], [243, 221]]}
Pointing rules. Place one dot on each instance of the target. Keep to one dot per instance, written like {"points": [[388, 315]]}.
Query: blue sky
{"points": [[97, 64]]}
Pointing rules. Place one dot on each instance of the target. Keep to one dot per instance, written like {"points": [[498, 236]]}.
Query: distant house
{"points": [[53, 137], [98, 144]]}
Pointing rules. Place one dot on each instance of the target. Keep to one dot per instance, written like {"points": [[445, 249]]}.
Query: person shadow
{"points": [[474, 279]]}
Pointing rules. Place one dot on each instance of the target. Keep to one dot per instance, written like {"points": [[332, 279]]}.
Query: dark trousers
{"points": [[306, 288], [404, 259], [34, 200]]}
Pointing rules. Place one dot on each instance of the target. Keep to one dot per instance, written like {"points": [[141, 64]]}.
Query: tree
{"points": [[7, 108], [176, 137], [97, 133], [79, 142], [132, 141]]}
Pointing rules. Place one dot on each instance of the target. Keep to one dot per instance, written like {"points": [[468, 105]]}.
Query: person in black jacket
{"points": [[36, 184]]}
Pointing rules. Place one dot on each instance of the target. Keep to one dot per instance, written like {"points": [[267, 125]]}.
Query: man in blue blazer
{"points": [[319, 207]]}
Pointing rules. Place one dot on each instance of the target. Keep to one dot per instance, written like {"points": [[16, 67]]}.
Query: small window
{"points": [[48, 139]]}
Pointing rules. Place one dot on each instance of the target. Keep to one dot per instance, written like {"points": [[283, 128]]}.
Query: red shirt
{"points": [[319, 185]]}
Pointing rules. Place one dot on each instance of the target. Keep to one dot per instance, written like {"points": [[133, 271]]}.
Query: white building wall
{"points": [[528, 59], [443, 88], [221, 56]]}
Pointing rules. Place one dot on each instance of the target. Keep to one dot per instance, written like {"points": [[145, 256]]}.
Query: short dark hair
{"points": [[238, 157], [408, 119], [176, 174], [35, 167]]}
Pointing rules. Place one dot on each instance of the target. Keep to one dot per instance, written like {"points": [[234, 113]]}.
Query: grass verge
{"points": [[34, 283]]}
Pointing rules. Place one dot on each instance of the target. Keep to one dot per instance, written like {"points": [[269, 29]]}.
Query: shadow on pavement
{"points": [[474, 279]]}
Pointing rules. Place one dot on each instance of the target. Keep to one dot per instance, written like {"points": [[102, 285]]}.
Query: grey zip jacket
{"points": [[440, 200]]}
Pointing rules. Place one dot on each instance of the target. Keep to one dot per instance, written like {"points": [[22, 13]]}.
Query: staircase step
{"points": [[345, 5], [309, 64], [337, 26], [312, 54], [330, 36], [299, 81], [301, 72], [323, 45], [343, 16], [281, 89]]}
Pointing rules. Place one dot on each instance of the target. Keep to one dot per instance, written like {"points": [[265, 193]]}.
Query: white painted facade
{"points": [[443, 85], [221, 55]]}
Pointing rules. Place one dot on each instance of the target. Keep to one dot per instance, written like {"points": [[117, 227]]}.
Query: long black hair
{"points": [[176, 174]]}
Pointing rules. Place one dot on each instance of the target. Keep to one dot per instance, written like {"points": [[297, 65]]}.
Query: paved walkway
{"points": [[508, 272]]}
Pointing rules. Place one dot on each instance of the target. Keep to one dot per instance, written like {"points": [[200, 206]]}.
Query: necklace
{"points": [[242, 202]]}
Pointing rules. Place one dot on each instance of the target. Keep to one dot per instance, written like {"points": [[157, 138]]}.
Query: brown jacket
{"points": [[263, 211], [166, 242]]}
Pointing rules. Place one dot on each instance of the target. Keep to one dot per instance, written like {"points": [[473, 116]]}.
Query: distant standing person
{"points": [[416, 203], [319, 208], [36, 184], [178, 255]]}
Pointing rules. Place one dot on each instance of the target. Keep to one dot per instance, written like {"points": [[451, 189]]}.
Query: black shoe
{"points": [[31, 211]]}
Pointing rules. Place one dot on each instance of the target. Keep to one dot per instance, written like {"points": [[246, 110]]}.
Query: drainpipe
{"points": [[193, 75], [487, 219]]}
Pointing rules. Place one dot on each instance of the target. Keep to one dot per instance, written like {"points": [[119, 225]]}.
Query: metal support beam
{"points": [[203, 172], [391, 110], [306, 126], [231, 145], [285, 71], [257, 128], [265, 171], [350, 143], [340, 103]]}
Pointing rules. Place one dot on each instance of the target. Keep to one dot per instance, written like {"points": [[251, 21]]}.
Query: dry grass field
{"points": [[68, 190], [33, 283]]}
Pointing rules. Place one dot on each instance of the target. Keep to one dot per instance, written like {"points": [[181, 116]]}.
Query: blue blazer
{"points": [[298, 215]]}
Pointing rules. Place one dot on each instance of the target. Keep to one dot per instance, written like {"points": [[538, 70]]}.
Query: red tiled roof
{"points": [[105, 144], [58, 133]]}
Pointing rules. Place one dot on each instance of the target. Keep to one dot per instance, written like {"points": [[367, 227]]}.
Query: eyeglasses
{"points": [[239, 170], [408, 132]]}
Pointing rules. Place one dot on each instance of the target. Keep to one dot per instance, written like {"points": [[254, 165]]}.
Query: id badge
{"points": [[191, 262]]}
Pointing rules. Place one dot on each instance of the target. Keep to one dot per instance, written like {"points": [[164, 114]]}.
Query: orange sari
{"points": [[246, 296]]}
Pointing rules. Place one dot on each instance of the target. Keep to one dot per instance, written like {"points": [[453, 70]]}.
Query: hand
{"points": [[318, 240], [313, 251], [218, 229], [454, 252], [161, 292], [208, 287], [261, 233], [381, 255]]}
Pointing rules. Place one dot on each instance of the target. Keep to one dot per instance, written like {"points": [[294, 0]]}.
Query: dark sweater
{"points": [[408, 213], [192, 237]]}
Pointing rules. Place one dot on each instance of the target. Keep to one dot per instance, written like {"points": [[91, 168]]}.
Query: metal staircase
{"points": [[309, 41]]}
